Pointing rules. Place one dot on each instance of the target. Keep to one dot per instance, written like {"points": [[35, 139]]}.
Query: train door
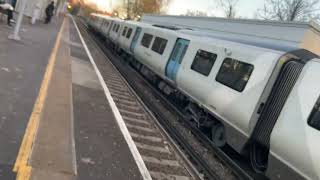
{"points": [[135, 39], [176, 57]]}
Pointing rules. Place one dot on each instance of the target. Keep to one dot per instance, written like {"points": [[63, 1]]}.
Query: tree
{"points": [[229, 7], [136, 8], [165, 6], [195, 13], [289, 10]]}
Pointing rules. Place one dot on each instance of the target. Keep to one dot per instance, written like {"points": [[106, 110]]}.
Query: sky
{"points": [[244, 8]]}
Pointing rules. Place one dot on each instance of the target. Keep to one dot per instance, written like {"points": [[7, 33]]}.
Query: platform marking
{"points": [[119, 93], [21, 166], [164, 162], [159, 175], [153, 148], [125, 101], [130, 126], [125, 132], [117, 82], [136, 114], [126, 106], [149, 138], [135, 120]]}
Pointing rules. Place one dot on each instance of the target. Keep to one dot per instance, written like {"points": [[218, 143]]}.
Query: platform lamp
{"points": [[15, 35]]}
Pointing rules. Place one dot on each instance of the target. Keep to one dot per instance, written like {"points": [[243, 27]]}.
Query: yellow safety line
{"points": [[21, 166]]}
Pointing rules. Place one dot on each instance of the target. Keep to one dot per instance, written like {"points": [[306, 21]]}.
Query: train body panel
{"points": [[233, 82], [152, 56], [130, 35], [115, 31], [95, 22], [105, 28], [294, 142], [226, 103]]}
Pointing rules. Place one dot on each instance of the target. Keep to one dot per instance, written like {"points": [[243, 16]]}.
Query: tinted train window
{"points": [[118, 28], [124, 31], [314, 118], [203, 62], [114, 27], [106, 24], [159, 45], [129, 33], [146, 40], [234, 74]]}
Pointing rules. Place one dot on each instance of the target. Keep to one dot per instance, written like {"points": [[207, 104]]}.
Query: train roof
{"points": [[138, 23], [106, 17], [284, 36], [157, 18], [211, 40]]}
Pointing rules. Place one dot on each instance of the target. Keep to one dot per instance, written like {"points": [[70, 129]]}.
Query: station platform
{"points": [[22, 65], [57, 120]]}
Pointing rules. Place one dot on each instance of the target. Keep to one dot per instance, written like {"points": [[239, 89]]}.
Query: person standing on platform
{"points": [[7, 6], [49, 12], [10, 13]]}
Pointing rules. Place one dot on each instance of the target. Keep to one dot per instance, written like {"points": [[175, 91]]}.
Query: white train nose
{"points": [[294, 150]]}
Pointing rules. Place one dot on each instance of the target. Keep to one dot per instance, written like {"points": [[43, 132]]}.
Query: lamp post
{"points": [[15, 35]]}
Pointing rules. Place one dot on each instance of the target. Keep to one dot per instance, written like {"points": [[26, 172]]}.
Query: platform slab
{"points": [[22, 65], [102, 152]]}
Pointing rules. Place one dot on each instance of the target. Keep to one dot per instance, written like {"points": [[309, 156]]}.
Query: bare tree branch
{"points": [[195, 13], [229, 7], [289, 10]]}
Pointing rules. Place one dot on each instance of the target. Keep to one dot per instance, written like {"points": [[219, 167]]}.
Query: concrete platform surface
{"points": [[68, 130], [22, 65], [55, 118], [102, 152]]}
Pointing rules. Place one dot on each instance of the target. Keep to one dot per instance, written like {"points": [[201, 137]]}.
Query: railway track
{"points": [[159, 153], [172, 120]]}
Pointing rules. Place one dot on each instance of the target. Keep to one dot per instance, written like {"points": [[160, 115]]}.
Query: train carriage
{"points": [[115, 31], [258, 98], [130, 34], [100, 23], [294, 142], [154, 48]]}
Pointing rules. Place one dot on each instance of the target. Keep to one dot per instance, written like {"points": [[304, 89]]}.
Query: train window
{"points": [[118, 28], [159, 45], [129, 33], [114, 27], [124, 31], [203, 62], [146, 40], [183, 52], [314, 118], [234, 74]]}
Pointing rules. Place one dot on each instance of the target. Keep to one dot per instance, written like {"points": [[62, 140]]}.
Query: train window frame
{"points": [[227, 82], [118, 27], [114, 27], [124, 32], [199, 56], [159, 45], [314, 117], [106, 24], [129, 33], [146, 43]]}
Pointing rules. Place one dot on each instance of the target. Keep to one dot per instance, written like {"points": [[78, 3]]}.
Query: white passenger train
{"points": [[260, 100]]}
